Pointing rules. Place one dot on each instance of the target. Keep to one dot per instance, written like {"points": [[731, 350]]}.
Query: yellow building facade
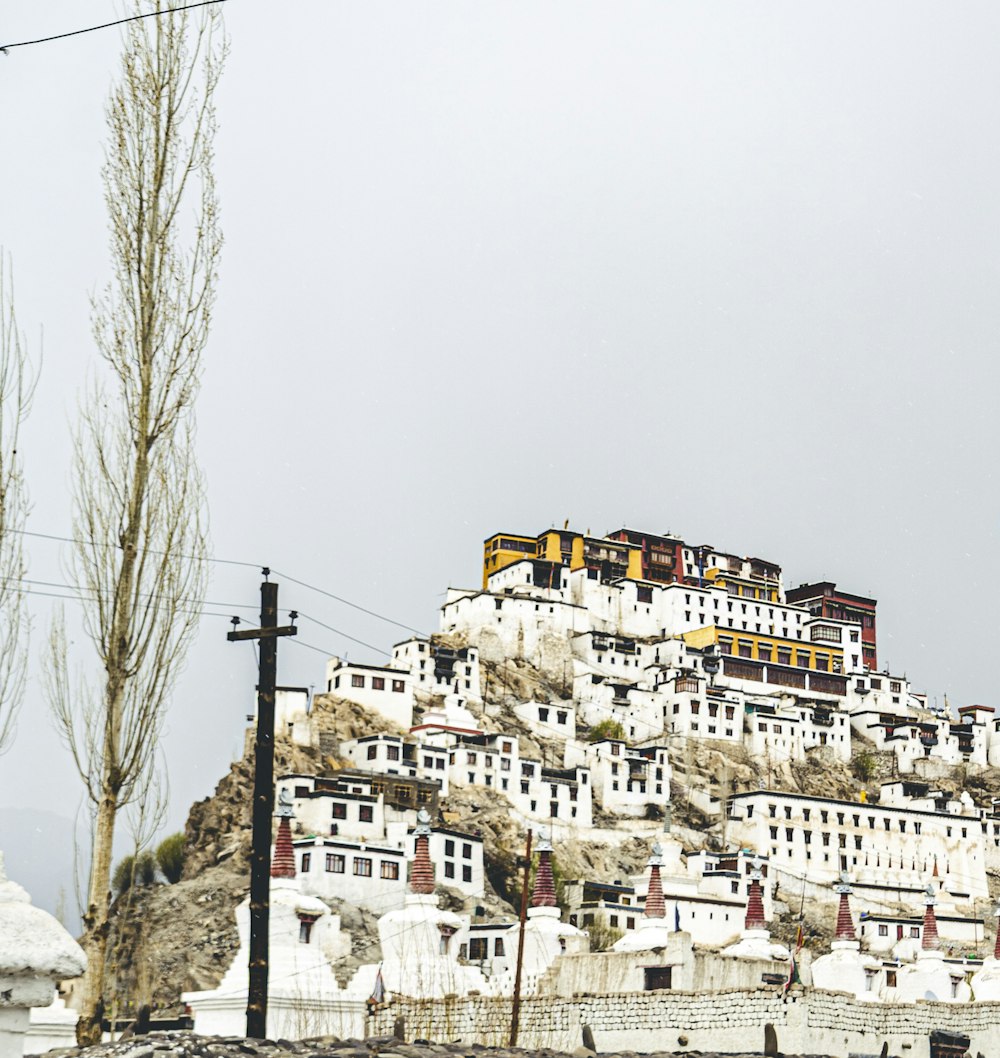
{"points": [[740, 586], [774, 650], [612, 559]]}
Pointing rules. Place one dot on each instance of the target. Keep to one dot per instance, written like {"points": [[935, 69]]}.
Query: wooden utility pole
{"points": [[263, 800], [515, 1014]]}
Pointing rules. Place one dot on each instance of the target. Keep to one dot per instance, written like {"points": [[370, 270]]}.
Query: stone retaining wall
{"points": [[812, 1022]]}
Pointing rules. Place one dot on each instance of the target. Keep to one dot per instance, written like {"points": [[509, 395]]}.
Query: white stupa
{"points": [[930, 977], [755, 940], [653, 931], [986, 983], [844, 968], [546, 936], [303, 997], [35, 952], [419, 949]]}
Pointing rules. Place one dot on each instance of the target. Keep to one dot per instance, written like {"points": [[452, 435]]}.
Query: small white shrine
{"points": [[986, 982], [653, 931], [35, 953], [303, 997], [930, 977], [755, 940], [419, 941], [546, 936], [844, 968]]}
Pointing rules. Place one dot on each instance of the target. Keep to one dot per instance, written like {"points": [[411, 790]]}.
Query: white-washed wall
{"points": [[811, 1022]]}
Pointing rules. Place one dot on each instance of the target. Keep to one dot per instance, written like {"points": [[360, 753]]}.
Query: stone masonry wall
{"points": [[812, 1022]]}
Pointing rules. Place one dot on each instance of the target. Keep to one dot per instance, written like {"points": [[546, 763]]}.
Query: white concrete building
{"points": [[538, 794], [889, 851], [372, 874], [627, 780], [385, 690], [550, 720], [358, 805], [784, 728], [438, 669], [396, 755]]}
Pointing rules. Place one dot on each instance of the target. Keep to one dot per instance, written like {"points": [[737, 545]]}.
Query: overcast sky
{"points": [[727, 269]]}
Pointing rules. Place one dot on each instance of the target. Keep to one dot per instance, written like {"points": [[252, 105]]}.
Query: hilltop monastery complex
{"points": [[641, 649]]}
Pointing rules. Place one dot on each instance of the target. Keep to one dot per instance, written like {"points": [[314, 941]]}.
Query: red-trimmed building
{"points": [[662, 556], [822, 599]]}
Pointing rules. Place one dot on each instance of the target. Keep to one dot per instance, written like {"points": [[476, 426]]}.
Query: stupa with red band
{"points": [[755, 940], [930, 977], [418, 940], [653, 930], [844, 968], [303, 937]]}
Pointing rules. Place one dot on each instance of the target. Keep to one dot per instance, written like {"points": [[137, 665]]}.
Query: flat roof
{"points": [[863, 805]]}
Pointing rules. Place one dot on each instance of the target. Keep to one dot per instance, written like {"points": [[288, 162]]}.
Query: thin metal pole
{"points": [[515, 1016], [263, 810]]}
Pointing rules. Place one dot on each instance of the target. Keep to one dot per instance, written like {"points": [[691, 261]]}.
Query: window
{"points": [[477, 949], [914, 931], [466, 851], [389, 870], [397, 686], [305, 930], [365, 813], [466, 874], [378, 683], [449, 847], [334, 863], [449, 870], [392, 752], [498, 950], [357, 681], [339, 810], [883, 931], [656, 978], [306, 862], [543, 715], [362, 866]]}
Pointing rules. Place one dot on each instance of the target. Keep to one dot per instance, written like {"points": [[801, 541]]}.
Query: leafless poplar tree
{"points": [[17, 387], [139, 504]]}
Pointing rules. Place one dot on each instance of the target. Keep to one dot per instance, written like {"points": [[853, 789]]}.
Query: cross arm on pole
{"points": [[262, 633]]}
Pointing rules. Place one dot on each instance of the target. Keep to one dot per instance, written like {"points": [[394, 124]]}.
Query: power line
{"points": [[4, 48], [346, 602], [236, 562], [338, 632]]}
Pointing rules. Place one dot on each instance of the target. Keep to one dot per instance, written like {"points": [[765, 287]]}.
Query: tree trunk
{"points": [[90, 1000]]}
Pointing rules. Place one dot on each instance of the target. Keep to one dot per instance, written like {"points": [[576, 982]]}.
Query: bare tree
{"points": [[139, 503], [17, 387]]}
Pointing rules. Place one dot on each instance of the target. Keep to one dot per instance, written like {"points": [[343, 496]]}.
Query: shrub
{"points": [[606, 729], [138, 870], [603, 936], [170, 857], [863, 765]]}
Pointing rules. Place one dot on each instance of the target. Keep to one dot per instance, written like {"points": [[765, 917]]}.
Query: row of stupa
{"points": [[421, 959]]}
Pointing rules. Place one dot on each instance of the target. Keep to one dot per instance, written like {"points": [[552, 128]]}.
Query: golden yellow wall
{"points": [[700, 638], [494, 560]]}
